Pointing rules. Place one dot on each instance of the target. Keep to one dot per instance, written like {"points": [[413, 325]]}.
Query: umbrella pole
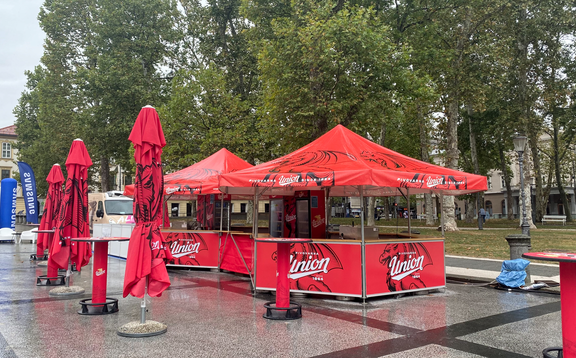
{"points": [[69, 270], [143, 304]]}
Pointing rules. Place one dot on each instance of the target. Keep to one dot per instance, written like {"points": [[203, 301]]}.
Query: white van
{"points": [[110, 208]]}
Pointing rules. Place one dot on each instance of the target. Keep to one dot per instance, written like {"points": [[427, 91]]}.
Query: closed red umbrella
{"points": [[51, 206], [50, 215], [147, 253], [73, 217]]}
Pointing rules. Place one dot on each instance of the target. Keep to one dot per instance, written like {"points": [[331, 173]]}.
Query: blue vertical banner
{"points": [[28, 182], [8, 203]]}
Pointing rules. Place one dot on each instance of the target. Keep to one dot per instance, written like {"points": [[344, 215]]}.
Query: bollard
{"points": [[520, 244]]}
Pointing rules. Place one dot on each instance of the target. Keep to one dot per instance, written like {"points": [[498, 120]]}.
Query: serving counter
{"points": [[227, 250], [394, 264]]}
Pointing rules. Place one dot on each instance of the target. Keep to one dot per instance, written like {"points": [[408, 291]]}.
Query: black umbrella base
{"points": [[89, 308], [44, 280], [547, 352], [35, 257], [140, 330], [282, 313]]}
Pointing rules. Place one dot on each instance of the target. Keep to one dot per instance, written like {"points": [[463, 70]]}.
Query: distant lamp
{"points": [[520, 146]]}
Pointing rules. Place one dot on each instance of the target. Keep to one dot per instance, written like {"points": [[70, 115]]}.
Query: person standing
{"points": [[481, 219]]}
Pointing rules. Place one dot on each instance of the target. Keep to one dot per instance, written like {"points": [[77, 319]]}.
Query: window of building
{"points": [[175, 208], [6, 150], [242, 207], [489, 182], [489, 207], [266, 208], [502, 182], [5, 173]]}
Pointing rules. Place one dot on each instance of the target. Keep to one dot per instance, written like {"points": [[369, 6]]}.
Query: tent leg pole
{"points": [[221, 210], [409, 213], [442, 212], [363, 250]]}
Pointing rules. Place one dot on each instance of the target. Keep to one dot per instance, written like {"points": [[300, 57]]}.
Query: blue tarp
{"points": [[513, 273]]}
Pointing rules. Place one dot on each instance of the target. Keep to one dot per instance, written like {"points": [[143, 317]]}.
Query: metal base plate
{"points": [[282, 313], [140, 330], [66, 291], [44, 280], [35, 257], [547, 351], [89, 308]]}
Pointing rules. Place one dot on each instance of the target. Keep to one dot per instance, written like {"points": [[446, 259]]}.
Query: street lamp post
{"points": [[519, 146]]}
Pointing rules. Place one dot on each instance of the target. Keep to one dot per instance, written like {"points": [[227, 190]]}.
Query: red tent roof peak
{"points": [[343, 159], [202, 177]]}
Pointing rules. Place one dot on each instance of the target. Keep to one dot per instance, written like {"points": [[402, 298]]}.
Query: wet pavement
{"points": [[211, 314]]}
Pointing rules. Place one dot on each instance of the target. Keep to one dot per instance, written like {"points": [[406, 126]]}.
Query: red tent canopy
{"points": [[129, 190], [202, 177], [344, 161], [199, 178]]}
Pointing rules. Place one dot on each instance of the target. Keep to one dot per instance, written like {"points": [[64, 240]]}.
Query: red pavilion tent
{"points": [[345, 164]]}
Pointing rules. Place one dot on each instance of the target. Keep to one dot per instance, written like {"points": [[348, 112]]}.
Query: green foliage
{"points": [[202, 117], [323, 68]]}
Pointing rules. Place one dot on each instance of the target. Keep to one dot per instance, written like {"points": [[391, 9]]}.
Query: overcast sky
{"points": [[21, 42]]}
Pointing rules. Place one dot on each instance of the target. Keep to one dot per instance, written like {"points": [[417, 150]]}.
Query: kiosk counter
{"points": [[227, 250], [394, 264]]}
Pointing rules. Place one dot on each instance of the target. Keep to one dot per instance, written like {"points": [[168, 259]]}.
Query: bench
{"points": [[554, 218]]}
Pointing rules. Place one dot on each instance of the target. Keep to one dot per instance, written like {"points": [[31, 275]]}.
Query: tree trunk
{"points": [[250, 212], [506, 174], [527, 122], [387, 208], [429, 212], [557, 170], [104, 174], [471, 210], [527, 192], [425, 156], [452, 156], [371, 202]]}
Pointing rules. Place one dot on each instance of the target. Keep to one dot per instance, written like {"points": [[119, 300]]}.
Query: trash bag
{"points": [[513, 273]]}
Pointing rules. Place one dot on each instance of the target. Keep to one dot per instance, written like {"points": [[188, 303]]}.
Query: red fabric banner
{"points": [[231, 259]]}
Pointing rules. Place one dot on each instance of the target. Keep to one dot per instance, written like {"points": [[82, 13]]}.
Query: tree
{"points": [[202, 117], [127, 44], [323, 67], [100, 66]]}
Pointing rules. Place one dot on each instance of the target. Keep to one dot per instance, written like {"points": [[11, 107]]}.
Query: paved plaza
{"points": [[211, 314]]}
